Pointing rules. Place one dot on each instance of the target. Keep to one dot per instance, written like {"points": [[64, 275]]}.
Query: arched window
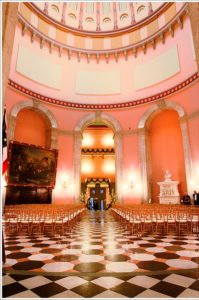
{"points": [[140, 9], [55, 8], [89, 20], [124, 17], [106, 20], [72, 16]]}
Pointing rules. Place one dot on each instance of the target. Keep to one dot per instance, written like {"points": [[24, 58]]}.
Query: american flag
{"points": [[4, 145]]}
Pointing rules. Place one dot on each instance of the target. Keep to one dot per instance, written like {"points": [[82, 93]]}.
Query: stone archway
{"points": [[41, 109], [145, 160], [115, 126]]}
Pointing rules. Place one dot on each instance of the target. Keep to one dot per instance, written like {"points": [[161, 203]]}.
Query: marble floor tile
{"points": [[144, 281], [67, 294], [7, 280], [121, 267], [26, 295], [181, 263], [99, 258], [34, 282], [109, 294], [188, 293], [151, 294], [107, 281], [179, 280], [71, 282]]}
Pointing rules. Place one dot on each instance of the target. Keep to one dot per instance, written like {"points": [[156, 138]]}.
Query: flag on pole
{"points": [[4, 145]]}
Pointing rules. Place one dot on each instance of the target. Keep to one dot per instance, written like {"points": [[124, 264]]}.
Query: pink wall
{"points": [[64, 188], [194, 145], [30, 128], [166, 150], [128, 119], [128, 92], [131, 187]]}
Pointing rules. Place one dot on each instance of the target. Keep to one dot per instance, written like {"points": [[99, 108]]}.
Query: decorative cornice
{"points": [[113, 32], [105, 53], [97, 180], [111, 106], [97, 151]]}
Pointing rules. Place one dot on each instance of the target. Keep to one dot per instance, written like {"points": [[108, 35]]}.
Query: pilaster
{"points": [[9, 15], [193, 11]]}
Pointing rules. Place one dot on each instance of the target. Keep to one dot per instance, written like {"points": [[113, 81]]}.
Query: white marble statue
{"points": [[167, 176]]}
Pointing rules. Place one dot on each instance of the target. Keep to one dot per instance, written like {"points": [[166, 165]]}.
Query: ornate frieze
{"points": [[113, 106]]}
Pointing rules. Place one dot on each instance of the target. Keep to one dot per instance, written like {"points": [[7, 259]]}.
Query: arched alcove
{"points": [[166, 151], [144, 144], [36, 116], [31, 128]]}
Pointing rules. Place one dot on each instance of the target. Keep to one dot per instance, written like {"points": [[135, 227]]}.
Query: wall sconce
{"points": [[132, 184], [65, 184]]}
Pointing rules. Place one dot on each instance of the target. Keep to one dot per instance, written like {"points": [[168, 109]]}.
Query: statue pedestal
{"points": [[169, 192]]}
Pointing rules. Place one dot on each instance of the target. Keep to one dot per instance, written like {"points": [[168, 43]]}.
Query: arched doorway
{"points": [[106, 120], [98, 166]]}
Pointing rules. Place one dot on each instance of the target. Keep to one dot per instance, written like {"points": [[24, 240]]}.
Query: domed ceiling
{"points": [[102, 55], [98, 17]]}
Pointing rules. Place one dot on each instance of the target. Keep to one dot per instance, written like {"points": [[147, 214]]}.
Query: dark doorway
{"points": [[99, 196]]}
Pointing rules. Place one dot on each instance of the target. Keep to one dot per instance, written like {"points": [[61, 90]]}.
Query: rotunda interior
{"points": [[102, 114]]}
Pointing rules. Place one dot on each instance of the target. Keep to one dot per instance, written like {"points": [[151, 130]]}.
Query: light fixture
{"points": [[65, 184], [108, 166], [107, 140], [132, 184], [88, 140], [87, 166]]}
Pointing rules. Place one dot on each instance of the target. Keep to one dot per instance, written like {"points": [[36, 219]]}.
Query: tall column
{"points": [[187, 153], [52, 138], [118, 164], [193, 11], [77, 164], [144, 164], [9, 15]]}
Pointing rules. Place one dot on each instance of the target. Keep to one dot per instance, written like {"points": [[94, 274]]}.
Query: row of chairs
{"points": [[158, 218], [41, 219]]}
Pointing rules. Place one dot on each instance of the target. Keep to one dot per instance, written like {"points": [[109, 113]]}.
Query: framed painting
{"points": [[31, 165]]}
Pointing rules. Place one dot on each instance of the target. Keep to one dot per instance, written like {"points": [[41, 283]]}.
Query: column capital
{"points": [[118, 134], [78, 135]]}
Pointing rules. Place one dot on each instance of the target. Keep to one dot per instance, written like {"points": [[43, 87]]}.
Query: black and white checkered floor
{"points": [[99, 258]]}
